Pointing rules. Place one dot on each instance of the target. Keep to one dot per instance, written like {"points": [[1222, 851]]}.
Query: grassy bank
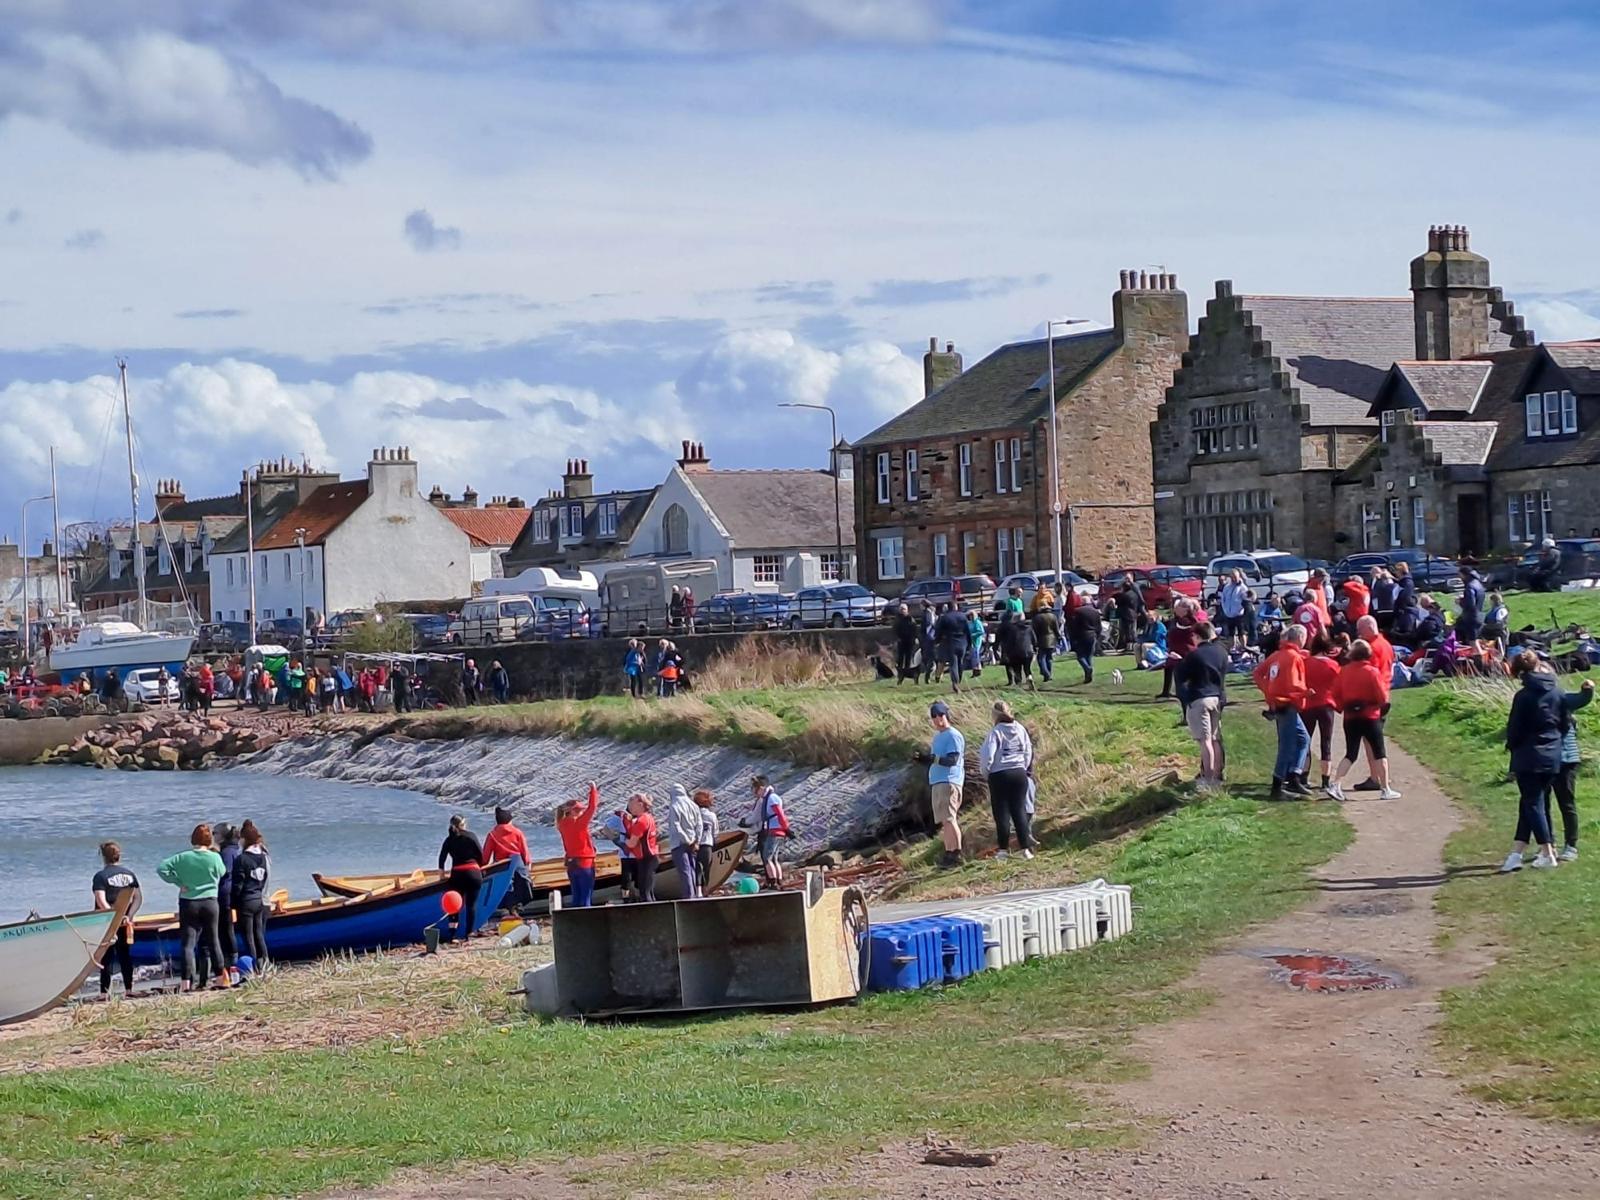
{"points": [[994, 1061], [1529, 1033]]}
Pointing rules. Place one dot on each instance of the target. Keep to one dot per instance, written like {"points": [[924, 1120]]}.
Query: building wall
{"points": [[395, 546], [706, 538], [1574, 500], [278, 576], [1404, 469]]}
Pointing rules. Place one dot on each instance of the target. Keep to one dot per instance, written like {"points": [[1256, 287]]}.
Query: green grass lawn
{"points": [[992, 1061], [1570, 608], [1529, 1033]]}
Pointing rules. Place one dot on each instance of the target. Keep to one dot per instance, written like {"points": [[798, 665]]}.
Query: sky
{"points": [[506, 233]]}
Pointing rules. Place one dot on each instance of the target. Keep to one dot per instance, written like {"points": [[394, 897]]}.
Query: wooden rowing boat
{"points": [[395, 915], [45, 959], [549, 875]]}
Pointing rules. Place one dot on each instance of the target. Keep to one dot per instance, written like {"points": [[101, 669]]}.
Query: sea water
{"points": [[53, 819]]}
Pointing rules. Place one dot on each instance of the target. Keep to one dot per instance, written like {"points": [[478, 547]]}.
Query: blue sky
{"points": [[509, 232]]}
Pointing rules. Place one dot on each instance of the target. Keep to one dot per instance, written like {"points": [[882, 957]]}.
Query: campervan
{"points": [[637, 593], [547, 581]]}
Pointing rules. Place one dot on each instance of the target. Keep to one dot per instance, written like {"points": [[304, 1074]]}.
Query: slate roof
{"points": [[265, 516], [764, 510], [231, 505], [1460, 443], [1005, 390], [1337, 349], [323, 511], [1580, 363], [1514, 451], [1446, 385], [489, 526]]}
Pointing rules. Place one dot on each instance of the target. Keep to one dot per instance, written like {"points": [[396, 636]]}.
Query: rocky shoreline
{"points": [[156, 741]]}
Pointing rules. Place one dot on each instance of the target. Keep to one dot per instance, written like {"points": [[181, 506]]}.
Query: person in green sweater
{"points": [[195, 873]]}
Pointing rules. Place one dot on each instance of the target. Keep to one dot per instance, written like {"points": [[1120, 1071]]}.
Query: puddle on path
{"points": [[1315, 971]]}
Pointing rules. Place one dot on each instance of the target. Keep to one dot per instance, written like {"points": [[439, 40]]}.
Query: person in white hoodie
{"points": [[1006, 760], [683, 836]]}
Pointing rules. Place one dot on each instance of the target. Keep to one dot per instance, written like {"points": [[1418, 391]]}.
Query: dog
{"points": [[1116, 676], [882, 668]]}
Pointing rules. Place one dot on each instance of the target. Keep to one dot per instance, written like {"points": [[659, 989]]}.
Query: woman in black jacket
{"points": [[907, 635], [251, 869], [1540, 712], [465, 852]]}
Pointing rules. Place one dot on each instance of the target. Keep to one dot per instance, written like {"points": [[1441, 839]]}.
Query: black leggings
{"points": [[1533, 788], [1320, 722], [250, 922], [1566, 790], [1017, 671], [1008, 799], [122, 951], [225, 938], [904, 652], [469, 884], [636, 686], [702, 865], [1363, 729], [198, 921], [647, 876]]}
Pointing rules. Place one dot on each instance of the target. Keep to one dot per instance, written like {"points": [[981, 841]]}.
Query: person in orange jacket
{"points": [[1282, 680], [1322, 671], [1362, 694], [1357, 599]]}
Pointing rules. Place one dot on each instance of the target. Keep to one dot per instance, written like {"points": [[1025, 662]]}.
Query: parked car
{"points": [[836, 605], [429, 629], [341, 625], [223, 637], [964, 591], [1580, 559], [490, 619], [1029, 582], [557, 617], [1264, 570], [145, 685], [742, 610], [1159, 583], [9, 638], [284, 631], [1431, 572]]}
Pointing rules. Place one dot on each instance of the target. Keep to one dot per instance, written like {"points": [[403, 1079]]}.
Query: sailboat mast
{"points": [[63, 601], [137, 544]]}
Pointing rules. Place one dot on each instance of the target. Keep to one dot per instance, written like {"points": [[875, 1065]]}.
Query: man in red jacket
{"points": [[1282, 680]]}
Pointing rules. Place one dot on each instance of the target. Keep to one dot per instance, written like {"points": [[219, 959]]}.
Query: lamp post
{"points": [[833, 450], [27, 626], [1055, 457], [305, 623]]}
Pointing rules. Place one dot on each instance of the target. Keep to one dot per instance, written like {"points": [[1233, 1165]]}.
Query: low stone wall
{"points": [[23, 741], [581, 669]]}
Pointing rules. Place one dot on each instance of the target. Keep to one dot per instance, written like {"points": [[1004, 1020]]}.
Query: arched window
{"points": [[675, 530]]}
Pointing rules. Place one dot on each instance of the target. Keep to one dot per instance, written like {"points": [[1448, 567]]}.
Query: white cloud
{"points": [[425, 235], [1560, 320], [150, 91]]}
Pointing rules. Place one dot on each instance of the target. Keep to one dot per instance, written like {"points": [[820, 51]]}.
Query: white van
{"points": [[489, 619], [546, 581]]}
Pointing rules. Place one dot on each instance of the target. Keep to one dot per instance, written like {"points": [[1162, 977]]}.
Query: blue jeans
{"points": [[684, 861], [582, 881], [1293, 744], [954, 658]]}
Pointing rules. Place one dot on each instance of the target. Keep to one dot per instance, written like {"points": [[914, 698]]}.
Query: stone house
{"points": [[492, 529], [959, 483], [1544, 472], [767, 531], [575, 526], [1275, 402]]}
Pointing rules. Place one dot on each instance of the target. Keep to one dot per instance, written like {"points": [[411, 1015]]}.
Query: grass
{"points": [[1528, 1033], [997, 1060], [1570, 608]]}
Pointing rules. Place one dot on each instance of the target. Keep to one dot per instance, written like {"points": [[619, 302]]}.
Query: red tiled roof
{"points": [[319, 515], [489, 526]]}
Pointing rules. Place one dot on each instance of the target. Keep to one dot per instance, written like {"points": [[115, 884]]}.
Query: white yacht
{"points": [[121, 646]]}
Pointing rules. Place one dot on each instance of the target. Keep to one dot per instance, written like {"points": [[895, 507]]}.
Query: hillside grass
{"points": [[997, 1060], [1528, 1033]]}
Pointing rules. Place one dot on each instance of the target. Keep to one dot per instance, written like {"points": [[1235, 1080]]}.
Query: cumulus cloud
{"points": [[426, 236], [1557, 319], [157, 91], [85, 239]]}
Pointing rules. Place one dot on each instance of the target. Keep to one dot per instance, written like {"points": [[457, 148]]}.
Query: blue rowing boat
{"points": [[300, 929]]}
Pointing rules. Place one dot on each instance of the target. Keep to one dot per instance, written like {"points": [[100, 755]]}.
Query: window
{"points": [[608, 518], [163, 557], [541, 524], [288, 612], [1223, 428], [675, 530], [1369, 522], [1000, 472], [913, 484], [575, 519], [964, 455], [1552, 413], [230, 572], [263, 571], [1394, 522], [1002, 545], [768, 568], [941, 554], [831, 571], [1534, 510], [1419, 522], [1218, 523], [267, 614], [1532, 415], [969, 553], [310, 564], [891, 558], [1569, 413], [1386, 425], [115, 560], [188, 557], [1016, 464], [288, 570], [883, 479], [1016, 550]]}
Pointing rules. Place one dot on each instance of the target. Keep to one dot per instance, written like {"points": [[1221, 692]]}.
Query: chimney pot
{"points": [[949, 347], [1144, 281], [933, 345]]}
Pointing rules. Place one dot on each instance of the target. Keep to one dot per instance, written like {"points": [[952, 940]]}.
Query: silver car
{"points": [[836, 605]]}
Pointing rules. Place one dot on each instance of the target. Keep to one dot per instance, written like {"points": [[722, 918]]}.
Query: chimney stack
{"points": [[1149, 302], [694, 457], [169, 493], [577, 482], [939, 367], [1450, 296]]}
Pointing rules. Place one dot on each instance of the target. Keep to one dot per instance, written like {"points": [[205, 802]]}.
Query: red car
{"points": [[1159, 583]]}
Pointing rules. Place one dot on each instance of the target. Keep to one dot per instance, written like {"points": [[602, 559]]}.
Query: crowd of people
{"points": [[665, 666]]}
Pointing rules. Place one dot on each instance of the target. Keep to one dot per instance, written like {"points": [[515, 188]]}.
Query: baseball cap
{"points": [[938, 709]]}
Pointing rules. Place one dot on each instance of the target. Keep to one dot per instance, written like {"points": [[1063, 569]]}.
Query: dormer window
{"points": [[1550, 414], [1386, 425]]}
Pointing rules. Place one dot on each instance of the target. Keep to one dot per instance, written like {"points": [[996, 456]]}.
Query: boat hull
{"points": [[121, 655], [550, 875], [43, 962], [308, 929]]}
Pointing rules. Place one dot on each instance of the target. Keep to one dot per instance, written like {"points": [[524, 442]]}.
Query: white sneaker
{"points": [[1335, 792], [1544, 862], [999, 854], [1388, 794], [1569, 854], [1512, 863], [1029, 854]]}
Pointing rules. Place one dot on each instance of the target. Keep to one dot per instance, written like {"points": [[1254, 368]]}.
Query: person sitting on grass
{"points": [[1361, 693]]}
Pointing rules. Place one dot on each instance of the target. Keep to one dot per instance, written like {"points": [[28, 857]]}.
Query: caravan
{"points": [[636, 594]]}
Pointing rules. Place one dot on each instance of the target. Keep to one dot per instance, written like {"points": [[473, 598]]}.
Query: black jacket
{"points": [[1130, 602], [1539, 716], [1083, 626], [1016, 641], [1202, 672], [463, 849], [250, 873], [906, 630], [950, 630]]}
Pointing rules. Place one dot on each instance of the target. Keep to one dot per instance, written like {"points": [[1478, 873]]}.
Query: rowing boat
{"points": [[43, 960], [395, 915], [549, 875]]}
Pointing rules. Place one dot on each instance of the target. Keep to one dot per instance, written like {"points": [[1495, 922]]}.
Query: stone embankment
{"points": [[166, 741]]}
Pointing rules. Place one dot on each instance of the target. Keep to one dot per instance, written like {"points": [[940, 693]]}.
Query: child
{"points": [[577, 843], [710, 827], [640, 826], [617, 835], [1565, 786]]}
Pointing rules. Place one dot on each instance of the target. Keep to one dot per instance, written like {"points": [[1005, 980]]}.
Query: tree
{"points": [[390, 634]]}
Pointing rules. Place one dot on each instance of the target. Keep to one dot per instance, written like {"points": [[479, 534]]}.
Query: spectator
{"points": [[633, 668], [1469, 622], [770, 825], [977, 637], [1566, 784], [1200, 679], [907, 639], [1182, 638], [951, 634], [471, 682], [688, 609], [946, 761], [1046, 637], [1083, 636], [500, 683], [1129, 602], [1361, 693], [1282, 680], [1017, 649], [1006, 759], [1540, 712], [1231, 601], [683, 839]]}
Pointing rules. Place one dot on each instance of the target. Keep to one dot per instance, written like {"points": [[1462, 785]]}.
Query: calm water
{"points": [[53, 819]]}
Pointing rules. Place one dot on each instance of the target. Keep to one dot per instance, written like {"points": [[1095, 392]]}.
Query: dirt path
{"points": [[1274, 1093]]}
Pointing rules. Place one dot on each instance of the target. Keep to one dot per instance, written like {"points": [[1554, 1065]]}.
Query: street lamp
{"points": [[27, 627], [1055, 457], [305, 623], [833, 451]]}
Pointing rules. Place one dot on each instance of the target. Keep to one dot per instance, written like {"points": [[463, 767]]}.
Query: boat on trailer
{"points": [[549, 875], [396, 914], [43, 960]]}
